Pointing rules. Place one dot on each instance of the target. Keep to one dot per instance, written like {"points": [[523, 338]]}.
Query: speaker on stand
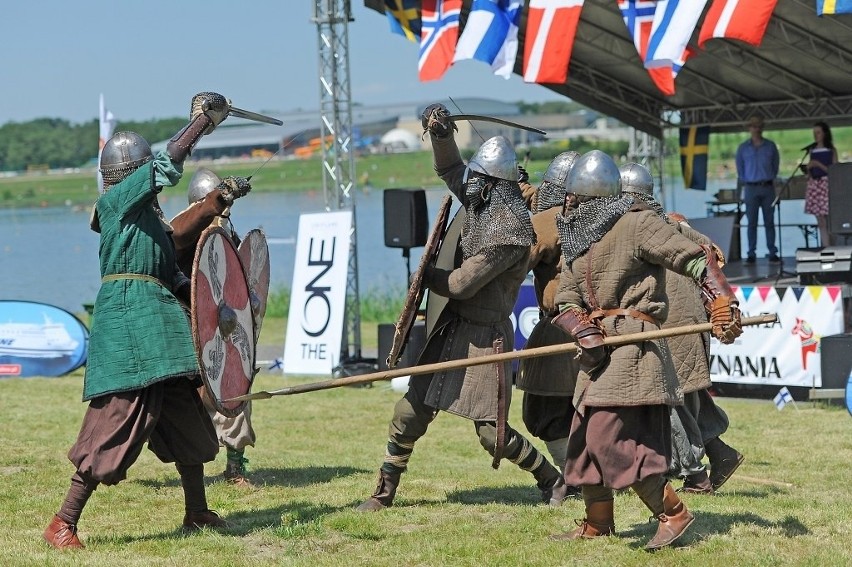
{"points": [[406, 221], [839, 197]]}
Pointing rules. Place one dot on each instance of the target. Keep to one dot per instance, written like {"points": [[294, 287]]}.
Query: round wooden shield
{"points": [[222, 321], [415, 290], [254, 252], [445, 260]]}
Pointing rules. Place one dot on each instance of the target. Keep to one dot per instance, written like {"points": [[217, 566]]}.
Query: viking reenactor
{"points": [[142, 376], [616, 252], [699, 422], [210, 201], [548, 382], [481, 292]]}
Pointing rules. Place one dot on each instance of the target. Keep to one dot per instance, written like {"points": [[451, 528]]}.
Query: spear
{"points": [[621, 340]]}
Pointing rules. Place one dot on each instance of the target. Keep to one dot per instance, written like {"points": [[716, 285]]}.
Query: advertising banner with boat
{"points": [[37, 339]]}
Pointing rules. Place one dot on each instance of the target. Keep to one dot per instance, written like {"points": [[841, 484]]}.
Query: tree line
{"points": [[56, 143]]}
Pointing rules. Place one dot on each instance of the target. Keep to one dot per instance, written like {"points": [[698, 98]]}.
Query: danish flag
{"points": [[745, 20], [551, 27]]}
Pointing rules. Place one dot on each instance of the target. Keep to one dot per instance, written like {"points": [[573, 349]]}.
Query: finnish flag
{"points": [[782, 398]]}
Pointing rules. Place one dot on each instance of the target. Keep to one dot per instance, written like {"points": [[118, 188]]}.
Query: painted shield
{"points": [[254, 252], [415, 290], [445, 260], [222, 321]]}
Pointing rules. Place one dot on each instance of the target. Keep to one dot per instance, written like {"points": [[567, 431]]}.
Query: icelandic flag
{"points": [[438, 37], [404, 18], [551, 26], [674, 22], [639, 17], [782, 398], [694, 147], [745, 20], [106, 126], [829, 7], [491, 35]]}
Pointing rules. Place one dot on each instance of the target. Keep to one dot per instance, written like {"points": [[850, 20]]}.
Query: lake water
{"points": [[50, 255]]}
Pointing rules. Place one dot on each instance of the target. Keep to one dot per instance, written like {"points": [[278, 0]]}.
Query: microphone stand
{"points": [[777, 205]]}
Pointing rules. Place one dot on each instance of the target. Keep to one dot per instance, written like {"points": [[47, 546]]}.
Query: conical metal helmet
{"points": [[123, 154], [635, 178], [594, 175], [203, 181], [557, 171], [495, 158]]}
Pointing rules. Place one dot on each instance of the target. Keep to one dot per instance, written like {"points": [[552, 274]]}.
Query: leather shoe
{"points": [[774, 259], [559, 492], [722, 469], [750, 260], [61, 534], [194, 521], [697, 484]]}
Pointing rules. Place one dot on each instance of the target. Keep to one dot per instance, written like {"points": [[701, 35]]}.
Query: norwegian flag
{"points": [[551, 26], [745, 20], [439, 34], [674, 22]]}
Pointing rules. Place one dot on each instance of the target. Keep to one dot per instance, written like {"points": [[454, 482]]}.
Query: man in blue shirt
{"points": [[757, 167]]}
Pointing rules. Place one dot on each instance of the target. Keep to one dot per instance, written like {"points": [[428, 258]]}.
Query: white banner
{"points": [[318, 300], [785, 353]]}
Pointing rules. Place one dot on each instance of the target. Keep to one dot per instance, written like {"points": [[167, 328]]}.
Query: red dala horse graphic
{"points": [[810, 341]]}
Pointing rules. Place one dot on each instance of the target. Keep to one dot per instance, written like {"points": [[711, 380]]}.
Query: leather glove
{"points": [[233, 188], [436, 119], [212, 105], [523, 176], [726, 319], [593, 355]]}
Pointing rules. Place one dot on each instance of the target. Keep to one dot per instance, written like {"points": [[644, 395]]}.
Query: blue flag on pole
{"points": [[694, 150]]}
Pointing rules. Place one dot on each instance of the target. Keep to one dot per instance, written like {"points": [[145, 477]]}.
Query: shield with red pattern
{"points": [[254, 252], [222, 321]]}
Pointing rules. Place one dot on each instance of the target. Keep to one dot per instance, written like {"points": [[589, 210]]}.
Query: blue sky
{"points": [[149, 57]]}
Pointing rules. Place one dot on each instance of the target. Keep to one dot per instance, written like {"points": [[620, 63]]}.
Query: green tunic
{"points": [[139, 334]]}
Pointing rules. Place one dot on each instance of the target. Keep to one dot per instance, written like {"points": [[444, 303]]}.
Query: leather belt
{"points": [[632, 313]]}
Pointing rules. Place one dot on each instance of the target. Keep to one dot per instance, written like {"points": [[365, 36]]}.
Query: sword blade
{"points": [[248, 115], [455, 117]]}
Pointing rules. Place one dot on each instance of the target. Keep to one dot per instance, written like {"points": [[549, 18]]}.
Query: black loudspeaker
{"points": [[416, 342], [839, 197], [406, 218], [835, 360]]}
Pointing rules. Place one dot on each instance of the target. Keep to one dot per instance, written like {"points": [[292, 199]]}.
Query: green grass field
{"points": [[316, 458]]}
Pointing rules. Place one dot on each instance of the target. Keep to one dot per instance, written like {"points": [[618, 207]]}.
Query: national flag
{"points": [[438, 37], [745, 20], [106, 126], [694, 147], [551, 26], [829, 7], [639, 17], [491, 35], [782, 398], [674, 22], [404, 18]]}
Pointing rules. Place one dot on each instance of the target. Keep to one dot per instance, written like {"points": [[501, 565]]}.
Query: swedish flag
{"points": [[404, 18], [694, 147], [830, 7]]}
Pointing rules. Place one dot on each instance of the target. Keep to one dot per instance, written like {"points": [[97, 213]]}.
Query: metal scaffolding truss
{"points": [[332, 18]]}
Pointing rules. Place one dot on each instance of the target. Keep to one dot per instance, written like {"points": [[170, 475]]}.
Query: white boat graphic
{"points": [[33, 340]]}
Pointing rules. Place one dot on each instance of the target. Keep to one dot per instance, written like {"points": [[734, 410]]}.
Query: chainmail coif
{"points": [[549, 195], [589, 222], [496, 218]]}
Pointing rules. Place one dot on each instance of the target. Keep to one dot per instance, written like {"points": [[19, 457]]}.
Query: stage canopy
{"points": [[799, 74]]}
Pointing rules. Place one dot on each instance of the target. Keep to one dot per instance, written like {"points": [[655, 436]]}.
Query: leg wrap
{"points": [[650, 490], [78, 494], [192, 481]]}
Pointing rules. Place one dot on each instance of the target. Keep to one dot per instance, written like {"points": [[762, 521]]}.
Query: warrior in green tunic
{"points": [[141, 375]]}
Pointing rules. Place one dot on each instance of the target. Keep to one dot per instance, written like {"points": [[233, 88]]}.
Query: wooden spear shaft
{"points": [[492, 358]]}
